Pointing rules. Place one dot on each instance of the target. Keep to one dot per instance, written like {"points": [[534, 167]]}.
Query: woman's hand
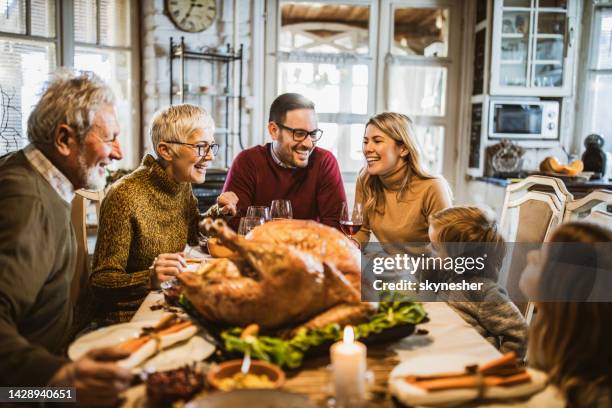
{"points": [[227, 203], [166, 267]]}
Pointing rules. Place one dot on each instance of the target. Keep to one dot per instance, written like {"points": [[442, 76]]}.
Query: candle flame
{"points": [[349, 335]]}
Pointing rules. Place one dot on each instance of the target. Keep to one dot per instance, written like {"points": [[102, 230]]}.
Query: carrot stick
{"points": [[134, 344], [164, 321], [516, 379], [176, 328], [508, 358], [469, 381], [466, 381]]}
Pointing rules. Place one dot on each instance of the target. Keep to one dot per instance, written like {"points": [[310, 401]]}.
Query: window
{"points": [[27, 56], [325, 54], [354, 58], [417, 77], [598, 92], [103, 45], [30, 52]]}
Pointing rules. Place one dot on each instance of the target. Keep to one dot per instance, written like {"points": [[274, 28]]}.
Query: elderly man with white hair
{"points": [[73, 132], [149, 215]]}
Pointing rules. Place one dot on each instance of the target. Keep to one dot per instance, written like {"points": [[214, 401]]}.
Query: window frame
{"points": [[64, 42], [380, 46], [590, 45], [28, 34], [452, 63], [274, 57]]}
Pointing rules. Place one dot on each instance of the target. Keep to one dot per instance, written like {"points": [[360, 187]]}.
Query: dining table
{"points": [[444, 333]]}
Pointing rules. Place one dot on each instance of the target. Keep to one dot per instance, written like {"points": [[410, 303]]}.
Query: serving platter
{"points": [[212, 332]]}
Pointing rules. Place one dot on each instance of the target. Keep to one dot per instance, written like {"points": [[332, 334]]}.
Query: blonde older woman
{"points": [[149, 215], [397, 194]]}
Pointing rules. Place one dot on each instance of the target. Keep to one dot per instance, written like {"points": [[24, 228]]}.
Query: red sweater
{"points": [[316, 191]]}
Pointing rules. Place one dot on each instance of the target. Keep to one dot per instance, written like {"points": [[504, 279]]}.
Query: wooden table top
{"points": [[447, 333]]}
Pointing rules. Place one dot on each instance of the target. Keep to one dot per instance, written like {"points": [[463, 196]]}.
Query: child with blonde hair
{"points": [[459, 230]]}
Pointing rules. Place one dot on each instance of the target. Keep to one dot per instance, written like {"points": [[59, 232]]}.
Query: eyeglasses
{"points": [[202, 149], [300, 134]]}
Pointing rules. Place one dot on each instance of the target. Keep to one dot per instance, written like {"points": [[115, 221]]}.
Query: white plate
{"points": [[426, 365], [195, 349]]}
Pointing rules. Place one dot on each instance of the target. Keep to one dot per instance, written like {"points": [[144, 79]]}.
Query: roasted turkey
{"points": [[285, 274], [325, 243]]}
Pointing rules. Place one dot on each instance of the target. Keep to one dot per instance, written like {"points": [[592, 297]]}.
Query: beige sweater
{"points": [[403, 219]]}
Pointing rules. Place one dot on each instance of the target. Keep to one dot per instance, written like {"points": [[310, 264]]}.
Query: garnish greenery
{"points": [[289, 353]]}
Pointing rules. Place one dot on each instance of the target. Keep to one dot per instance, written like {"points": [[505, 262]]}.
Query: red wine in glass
{"points": [[350, 228], [351, 220]]}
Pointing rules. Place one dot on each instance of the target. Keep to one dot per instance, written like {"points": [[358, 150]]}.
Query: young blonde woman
{"points": [[149, 215], [396, 193], [570, 341]]}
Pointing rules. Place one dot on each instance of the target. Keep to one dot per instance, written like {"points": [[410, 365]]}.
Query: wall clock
{"points": [[192, 15]]}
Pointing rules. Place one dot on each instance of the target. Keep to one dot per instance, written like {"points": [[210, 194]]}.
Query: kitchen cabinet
{"points": [[533, 47]]}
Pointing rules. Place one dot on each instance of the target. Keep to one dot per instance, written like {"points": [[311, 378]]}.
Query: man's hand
{"points": [[227, 203], [166, 267], [96, 377]]}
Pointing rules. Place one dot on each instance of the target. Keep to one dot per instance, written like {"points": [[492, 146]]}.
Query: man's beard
{"points": [[286, 154], [90, 176]]}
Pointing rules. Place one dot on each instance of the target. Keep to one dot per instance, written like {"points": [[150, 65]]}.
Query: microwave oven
{"points": [[526, 119]]}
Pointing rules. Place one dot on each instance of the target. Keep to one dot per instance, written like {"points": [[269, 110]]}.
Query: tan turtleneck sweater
{"points": [[403, 219], [144, 214]]}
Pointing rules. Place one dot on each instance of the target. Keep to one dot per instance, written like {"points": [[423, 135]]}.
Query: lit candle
{"points": [[348, 359]]}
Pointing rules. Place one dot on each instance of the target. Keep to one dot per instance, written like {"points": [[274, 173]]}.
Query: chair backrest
{"points": [[557, 185], [529, 216], [583, 207], [80, 204], [603, 218]]}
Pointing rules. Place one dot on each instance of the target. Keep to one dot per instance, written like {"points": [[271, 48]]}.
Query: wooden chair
{"points": [[529, 216], [80, 204], [583, 207], [603, 218]]}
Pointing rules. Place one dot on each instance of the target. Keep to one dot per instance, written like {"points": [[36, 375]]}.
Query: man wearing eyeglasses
{"points": [[73, 132], [292, 167]]}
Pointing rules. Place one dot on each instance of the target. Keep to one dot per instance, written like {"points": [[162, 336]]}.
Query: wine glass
{"points": [[259, 212], [281, 209], [351, 220], [248, 223]]}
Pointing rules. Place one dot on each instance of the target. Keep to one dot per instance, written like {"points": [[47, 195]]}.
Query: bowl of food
{"points": [[218, 250], [227, 376]]}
